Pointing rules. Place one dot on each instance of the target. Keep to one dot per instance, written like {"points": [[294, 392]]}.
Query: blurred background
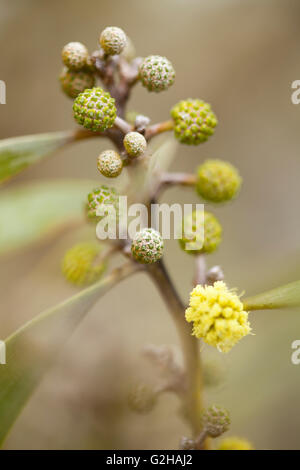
{"points": [[241, 56]]}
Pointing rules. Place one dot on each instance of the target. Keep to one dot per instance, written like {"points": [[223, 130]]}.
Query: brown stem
{"points": [[200, 272], [156, 129], [190, 346]]}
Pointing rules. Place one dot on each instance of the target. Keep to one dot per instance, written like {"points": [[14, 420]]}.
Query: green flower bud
{"points": [[78, 264], [113, 40], [147, 246], [110, 164], [73, 83], [215, 421], [98, 199], [95, 109], [192, 232], [142, 398], [156, 73], [75, 56], [135, 144], [194, 121], [217, 181]]}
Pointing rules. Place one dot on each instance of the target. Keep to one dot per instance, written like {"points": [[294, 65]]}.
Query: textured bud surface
{"points": [[75, 55], [78, 267], [135, 144], [110, 164], [235, 443], [156, 73], [113, 40], [215, 420], [74, 83], [95, 109], [142, 398], [217, 181], [218, 316], [98, 199], [194, 121], [205, 235], [147, 246]]}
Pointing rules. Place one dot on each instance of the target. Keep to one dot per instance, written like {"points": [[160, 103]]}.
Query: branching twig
{"points": [[159, 128]]}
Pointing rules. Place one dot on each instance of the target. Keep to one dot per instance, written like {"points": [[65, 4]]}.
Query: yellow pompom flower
{"points": [[217, 315], [235, 443], [79, 265]]}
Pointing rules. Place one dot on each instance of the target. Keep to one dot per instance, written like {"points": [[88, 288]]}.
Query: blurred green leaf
{"points": [[284, 296], [18, 153], [146, 174], [32, 211], [32, 349]]}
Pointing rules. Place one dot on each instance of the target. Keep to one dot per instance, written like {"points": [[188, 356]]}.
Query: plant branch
{"points": [[159, 128], [190, 346]]}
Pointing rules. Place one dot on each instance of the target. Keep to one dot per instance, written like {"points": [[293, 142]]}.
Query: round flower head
{"points": [[135, 144], [235, 443], [99, 200], [142, 398], [194, 121], [217, 181], [79, 265], [110, 164], [215, 421], [156, 73], [217, 315], [113, 40], [75, 55], [73, 83], [147, 246], [95, 109], [201, 233]]}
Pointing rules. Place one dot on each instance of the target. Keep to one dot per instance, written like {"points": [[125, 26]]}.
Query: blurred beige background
{"points": [[241, 56]]}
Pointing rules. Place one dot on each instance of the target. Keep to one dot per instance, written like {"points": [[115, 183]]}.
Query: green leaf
{"points": [[18, 153], [32, 349], [32, 211], [281, 297]]}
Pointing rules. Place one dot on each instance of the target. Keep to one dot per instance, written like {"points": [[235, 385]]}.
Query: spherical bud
{"points": [[217, 181], [194, 121], [73, 83], [113, 40], [110, 164], [215, 421], [79, 264], [201, 233], [235, 443], [99, 200], [147, 246], [156, 73], [218, 316], [95, 109], [75, 56], [142, 398], [135, 144]]}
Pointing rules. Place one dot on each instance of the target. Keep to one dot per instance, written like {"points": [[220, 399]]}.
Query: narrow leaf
{"points": [[18, 153], [284, 296], [30, 212], [32, 349]]}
